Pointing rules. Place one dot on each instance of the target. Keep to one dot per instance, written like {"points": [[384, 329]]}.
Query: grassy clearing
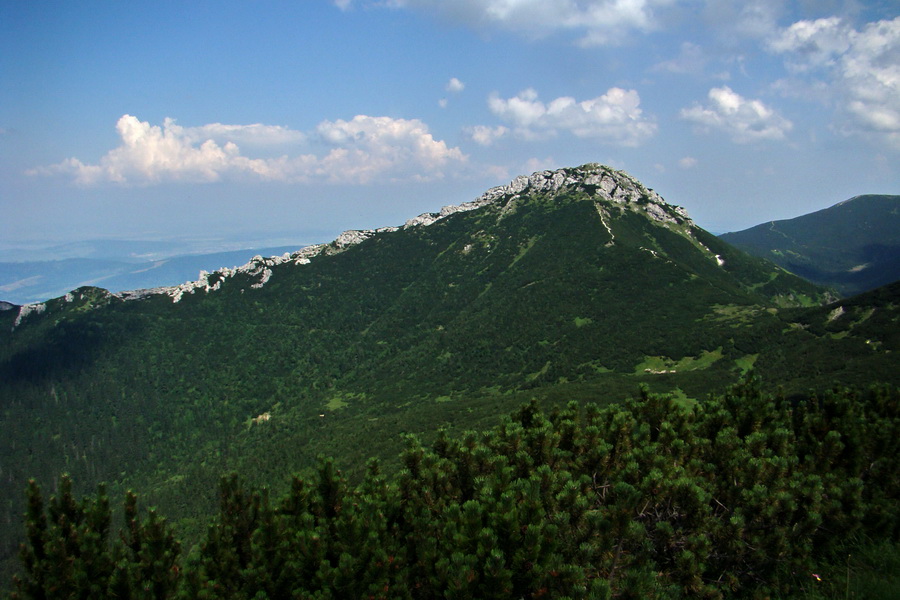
{"points": [[524, 250], [541, 373], [733, 314], [340, 401], [596, 367], [682, 399], [745, 363], [657, 365]]}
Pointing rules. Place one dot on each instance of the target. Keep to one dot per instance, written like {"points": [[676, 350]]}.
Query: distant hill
{"points": [[852, 247], [23, 282], [572, 285]]}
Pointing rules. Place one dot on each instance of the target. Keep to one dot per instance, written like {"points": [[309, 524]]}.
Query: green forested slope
{"points": [[853, 246], [744, 495], [558, 294]]}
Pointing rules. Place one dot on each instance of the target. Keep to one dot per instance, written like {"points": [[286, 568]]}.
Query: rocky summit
{"points": [[608, 187]]}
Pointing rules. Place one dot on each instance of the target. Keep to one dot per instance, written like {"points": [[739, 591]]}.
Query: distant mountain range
{"points": [[852, 247], [579, 284], [115, 266]]}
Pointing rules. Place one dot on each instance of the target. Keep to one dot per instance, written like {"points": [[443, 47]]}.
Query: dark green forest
{"points": [[557, 293], [745, 495], [853, 246]]}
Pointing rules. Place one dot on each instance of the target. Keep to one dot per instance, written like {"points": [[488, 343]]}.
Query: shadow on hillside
{"points": [[69, 348]]}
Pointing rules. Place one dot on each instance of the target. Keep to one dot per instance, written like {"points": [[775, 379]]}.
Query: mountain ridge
{"points": [[612, 185], [852, 246], [31, 281]]}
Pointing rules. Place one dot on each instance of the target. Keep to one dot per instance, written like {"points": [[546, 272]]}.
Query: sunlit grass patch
{"points": [[734, 314], [682, 399], [541, 373], [582, 321], [658, 365], [746, 362], [339, 401]]}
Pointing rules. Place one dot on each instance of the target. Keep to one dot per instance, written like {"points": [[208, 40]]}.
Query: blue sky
{"points": [[264, 120]]}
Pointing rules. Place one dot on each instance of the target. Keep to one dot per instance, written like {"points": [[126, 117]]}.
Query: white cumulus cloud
{"points": [[253, 135], [614, 118], [366, 148], [152, 153], [812, 43], [856, 70], [745, 120], [455, 85], [485, 135], [356, 151]]}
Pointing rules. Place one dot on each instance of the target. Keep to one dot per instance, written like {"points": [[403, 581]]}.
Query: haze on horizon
{"points": [[242, 120]]}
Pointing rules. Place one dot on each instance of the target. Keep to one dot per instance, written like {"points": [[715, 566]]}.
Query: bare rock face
{"points": [[600, 182], [603, 183], [352, 237], [29, 309]]}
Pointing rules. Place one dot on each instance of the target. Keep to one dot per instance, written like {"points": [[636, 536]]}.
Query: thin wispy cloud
{"points": [[691, 60], [593, 22], [812, 44], [254, 135]]}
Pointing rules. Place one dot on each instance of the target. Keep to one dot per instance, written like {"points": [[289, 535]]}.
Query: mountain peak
{"points": [[613, 192], [596, 180], [602, 183]]}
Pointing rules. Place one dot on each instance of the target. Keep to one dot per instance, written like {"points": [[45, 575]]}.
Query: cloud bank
{"points": [[856, 70], [743, 119], [613, 118], [358, 151], [597, 22]]}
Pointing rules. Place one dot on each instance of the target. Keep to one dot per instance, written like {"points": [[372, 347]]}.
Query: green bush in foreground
{"points": [[743, 495]]}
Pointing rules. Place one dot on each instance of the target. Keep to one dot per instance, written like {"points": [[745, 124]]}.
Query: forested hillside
{"points": [[741, 496], [573, 285], [852, 247]]}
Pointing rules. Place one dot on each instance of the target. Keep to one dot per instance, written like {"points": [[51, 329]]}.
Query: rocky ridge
{"points": [[611, 190]]}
